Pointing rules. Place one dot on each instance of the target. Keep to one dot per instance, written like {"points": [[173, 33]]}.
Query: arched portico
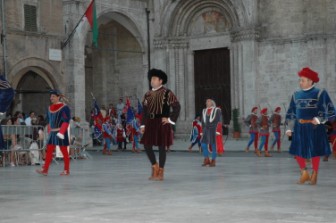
{"points": [[101, 70]]}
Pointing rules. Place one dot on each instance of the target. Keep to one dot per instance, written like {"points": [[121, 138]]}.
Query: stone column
{"points": [[245, 76], [73, 56]]}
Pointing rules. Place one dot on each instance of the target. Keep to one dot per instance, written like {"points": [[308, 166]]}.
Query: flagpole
{"points": [[65, 43]]}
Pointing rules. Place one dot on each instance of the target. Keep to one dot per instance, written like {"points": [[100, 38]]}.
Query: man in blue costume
{"points": [[59, 118], [309, 109]]}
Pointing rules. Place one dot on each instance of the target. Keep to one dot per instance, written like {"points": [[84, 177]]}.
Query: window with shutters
{"points": [[30, 18]]}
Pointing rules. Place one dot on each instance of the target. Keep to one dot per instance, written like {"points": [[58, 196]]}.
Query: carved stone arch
{"points": [[39, 66], [177, 16], [123, 18]]}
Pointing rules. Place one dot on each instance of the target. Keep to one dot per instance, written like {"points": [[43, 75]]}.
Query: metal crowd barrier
{"points": [[22, 141], [32, 145], [80, 139]]}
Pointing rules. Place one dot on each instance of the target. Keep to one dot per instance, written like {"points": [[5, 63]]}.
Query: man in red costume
{"points": [[263, 123], [59, 118], [251, 121], [276, 122]]}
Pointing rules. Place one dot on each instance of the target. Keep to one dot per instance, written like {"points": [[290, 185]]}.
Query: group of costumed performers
{"points": [[310, 108], [58, 117], [117, 130], [259, 128]]}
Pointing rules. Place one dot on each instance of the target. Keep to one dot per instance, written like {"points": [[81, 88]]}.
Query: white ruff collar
{"points": [[155, 89]]}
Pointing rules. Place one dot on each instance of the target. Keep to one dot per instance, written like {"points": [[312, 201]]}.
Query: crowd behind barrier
{"points": [[25, 145]]}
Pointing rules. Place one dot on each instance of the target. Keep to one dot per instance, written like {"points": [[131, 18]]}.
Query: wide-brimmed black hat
{"points": [[157, 73]]}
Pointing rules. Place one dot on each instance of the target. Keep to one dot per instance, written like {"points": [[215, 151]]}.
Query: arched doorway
{"points": [[115, 69], [32, 94]]}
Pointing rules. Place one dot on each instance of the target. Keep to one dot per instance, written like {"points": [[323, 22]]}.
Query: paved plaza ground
{"points": [[241, 188]]}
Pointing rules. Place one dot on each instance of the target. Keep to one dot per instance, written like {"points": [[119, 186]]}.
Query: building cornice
{"points": [[33, 34]]}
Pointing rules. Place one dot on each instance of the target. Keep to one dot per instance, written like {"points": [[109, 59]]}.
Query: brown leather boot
{"points": [[313, 179], [213, 163], [155, 172], [247, 149], [206, 162], [258, 153], [304, 177], [267, 154], [160, 175]]}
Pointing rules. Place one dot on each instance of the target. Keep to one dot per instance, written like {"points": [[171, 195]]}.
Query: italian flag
{"points": [[91, 16]]}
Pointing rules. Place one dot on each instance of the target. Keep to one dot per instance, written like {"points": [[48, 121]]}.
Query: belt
{"points": [[55, 130], [153, 116], [305, 121]]}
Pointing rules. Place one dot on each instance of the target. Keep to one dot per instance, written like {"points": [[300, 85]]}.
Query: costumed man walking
{"points": [[263, 123], [251, 121], [160, 111], [58, 117], [195, 135], [309, 108], [211, 118], [275, 120]]}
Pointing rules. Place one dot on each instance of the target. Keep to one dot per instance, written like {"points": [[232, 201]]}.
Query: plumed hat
{"points": [[254, 108], [277, 109], [158, 73], [309, 73], [263, 111]]}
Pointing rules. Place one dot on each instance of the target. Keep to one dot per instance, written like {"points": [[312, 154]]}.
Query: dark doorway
{"points": [[212, 79], [33, 93]]}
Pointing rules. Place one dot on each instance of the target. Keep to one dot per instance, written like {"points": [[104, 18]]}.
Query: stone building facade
{"points": [[267, 42]]}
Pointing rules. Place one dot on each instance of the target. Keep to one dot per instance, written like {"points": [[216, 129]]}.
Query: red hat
{"points": [[309, 73], [254, 108], [277, 109], [263, 111]]}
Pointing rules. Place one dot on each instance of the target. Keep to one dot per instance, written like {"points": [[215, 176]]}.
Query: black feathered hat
{"points": [[158, 73]]}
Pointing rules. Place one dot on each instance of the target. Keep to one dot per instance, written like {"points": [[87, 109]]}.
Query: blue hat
{"points": [[55, 92]]}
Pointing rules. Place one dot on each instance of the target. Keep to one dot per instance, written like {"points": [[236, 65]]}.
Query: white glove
{"points": [[217, 133], [59, 135]]}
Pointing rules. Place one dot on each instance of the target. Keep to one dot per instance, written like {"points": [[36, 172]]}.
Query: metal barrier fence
{"points": [[26, 144], [22, 144]]}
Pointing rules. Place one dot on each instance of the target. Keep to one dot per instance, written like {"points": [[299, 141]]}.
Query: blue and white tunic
{"points": [[310, 140]]}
